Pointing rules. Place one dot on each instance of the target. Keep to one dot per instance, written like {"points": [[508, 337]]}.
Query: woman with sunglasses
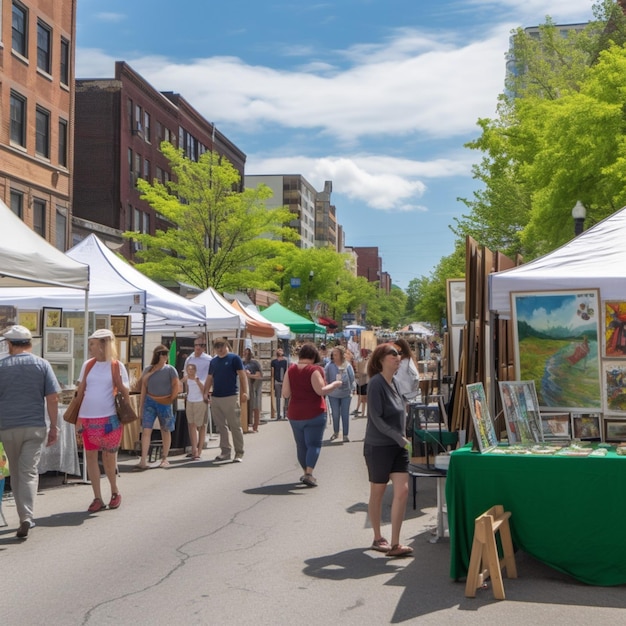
{"points": [[159, 388], [386, 449]]}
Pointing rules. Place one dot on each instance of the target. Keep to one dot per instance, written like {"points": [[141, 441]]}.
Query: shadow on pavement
{"points": [[286, 489]]}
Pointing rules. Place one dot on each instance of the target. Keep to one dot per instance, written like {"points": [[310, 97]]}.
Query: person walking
{"points": [[255, 385], [98, 423], [305, 387], [201, 360], [196, 410], [407, 377], [340, 397], [27, 388], [386, 449], [278, 370], [227, 386], [159, 388], [361, 383]]}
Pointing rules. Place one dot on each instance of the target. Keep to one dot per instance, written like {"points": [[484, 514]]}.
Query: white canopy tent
{"points": [[220, 314], [594, 259]]}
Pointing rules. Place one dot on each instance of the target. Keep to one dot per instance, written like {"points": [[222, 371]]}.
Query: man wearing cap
{"points": [[26, 382]]}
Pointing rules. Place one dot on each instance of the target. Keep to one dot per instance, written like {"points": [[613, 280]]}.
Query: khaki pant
{"points": [[227, 416]]}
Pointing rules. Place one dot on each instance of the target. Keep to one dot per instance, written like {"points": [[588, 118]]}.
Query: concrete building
{"points": [[326, 228], [369, 265], [37, 42], [120, 124]]}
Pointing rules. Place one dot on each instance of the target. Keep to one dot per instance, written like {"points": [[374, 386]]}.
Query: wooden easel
{"points": [[484, 560]]}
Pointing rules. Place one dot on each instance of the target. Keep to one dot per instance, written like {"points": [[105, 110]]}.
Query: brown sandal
{"points": [[381, 545], [398, 550]]}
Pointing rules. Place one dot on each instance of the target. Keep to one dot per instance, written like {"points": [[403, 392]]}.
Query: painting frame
{"points": [[484, 429], [614, 387], [556, 426], [455, 289], [31, 319], [614, 335], [58, 343], [64, 371], [103, 320], [587, 426], [120, 325], [559, 331], [522, 416], [37, 346], [51, 317], [134, 374], [8, 316], [135, 349], [614, 430], [122, 345]]}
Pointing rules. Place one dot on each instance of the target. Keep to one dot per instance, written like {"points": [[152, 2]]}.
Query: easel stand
{"points": [[484, 560]]}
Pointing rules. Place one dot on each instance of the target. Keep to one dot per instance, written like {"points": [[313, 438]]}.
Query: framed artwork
{"points": [[555, 426], [136, 347], [102, 321], [51, 317], [31, 320], [58, 342], [614, 379], [427, 416], [120, 325], [587, 426], [134, 374], [521, 411], [8, 316], [64, 371], [614, 338], [122, 344], [37, 346], [483, 425], [614, 430], [556, 337], [456, 301], [75, 320]]}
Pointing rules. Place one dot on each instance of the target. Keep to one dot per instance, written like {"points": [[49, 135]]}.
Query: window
{"points": [[39, 217], [146, 170], [146, 126], [129, 111], [17, 203], [63, 142], [131, 173], [61, 229], [137, 166], [42, 133], [146, 223], [18, 119], [19, 28], [44, 39], [65, 62], [137, 127]]}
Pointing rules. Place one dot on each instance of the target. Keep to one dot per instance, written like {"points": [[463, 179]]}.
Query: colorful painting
{"points": [[483, 425], [587, 426], [614, 430], [521, 411], [456, 302], [615, 329], [614, 376], [555, 426], [31, 320], [556, 346]]}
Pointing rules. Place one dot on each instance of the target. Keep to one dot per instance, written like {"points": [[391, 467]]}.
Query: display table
{"points": [[63, 455], [567, 512]]}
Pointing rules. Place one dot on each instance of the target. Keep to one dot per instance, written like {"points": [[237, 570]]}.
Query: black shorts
{"points": [[361, 390], [382, 461]]}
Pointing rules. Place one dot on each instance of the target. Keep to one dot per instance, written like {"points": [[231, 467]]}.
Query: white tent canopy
{"points": [[220, 314], [28, 260], [595, 259]]}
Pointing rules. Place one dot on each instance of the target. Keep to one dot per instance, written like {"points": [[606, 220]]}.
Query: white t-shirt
{"points": [[193, 391], [98, 400], [201, 362], [407, 379]]}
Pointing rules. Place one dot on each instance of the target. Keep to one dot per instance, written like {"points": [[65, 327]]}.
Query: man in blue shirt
{"points": [[26, 381], [227, 388]]}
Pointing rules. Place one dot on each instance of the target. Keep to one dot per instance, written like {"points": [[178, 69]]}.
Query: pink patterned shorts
{"points": [[101, 433]]}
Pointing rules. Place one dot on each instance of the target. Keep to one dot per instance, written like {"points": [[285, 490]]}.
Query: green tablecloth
{"points": [[568, 512]]}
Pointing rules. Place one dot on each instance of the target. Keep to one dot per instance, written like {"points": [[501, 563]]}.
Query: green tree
{"points": [[218, 234]]}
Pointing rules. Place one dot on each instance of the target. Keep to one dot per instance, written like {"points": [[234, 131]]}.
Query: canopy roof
{"points": [[220, 314], [298, 324], [282, 331], [254, 327], [28, 260], [417, 328], [595, 259]]}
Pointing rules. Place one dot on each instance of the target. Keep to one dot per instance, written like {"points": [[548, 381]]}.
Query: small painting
{"points": [[614, 373], [120, 325], [64, 371], [521, 411], [51, 317], [37, 346], [58, 342], [587, 426], [102, 321], [31, 320], [483, 425], [122, 348], [614, 430], [555, 426], [8, 316], [136, 347], [614, 329], [134, 374], [456, 302]]}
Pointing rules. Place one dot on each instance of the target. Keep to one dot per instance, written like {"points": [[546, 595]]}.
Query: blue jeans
{"points": [[340, 407], [308, 435]]}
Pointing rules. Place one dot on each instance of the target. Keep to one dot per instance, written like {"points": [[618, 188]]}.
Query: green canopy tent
{"points": [[296, 323]]}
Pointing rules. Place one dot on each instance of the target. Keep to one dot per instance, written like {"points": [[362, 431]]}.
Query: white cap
{"points": [[102, 333], [17, 334]]}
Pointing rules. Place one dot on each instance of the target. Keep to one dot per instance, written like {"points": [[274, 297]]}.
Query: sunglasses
{"points": [[393, 353], [163, 353], [201, 345]]}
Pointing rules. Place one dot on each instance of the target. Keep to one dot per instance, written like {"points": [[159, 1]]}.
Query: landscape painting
{"points": [[556, 345]]}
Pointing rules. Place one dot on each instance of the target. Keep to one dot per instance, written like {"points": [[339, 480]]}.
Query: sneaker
{"points": [[222, 457], [345, 439], [334, 436], [24, 528], [96, 505], [238, 458], [116, 500]]}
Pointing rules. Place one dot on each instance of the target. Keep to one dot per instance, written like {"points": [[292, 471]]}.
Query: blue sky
{"points": [[378, 96]]}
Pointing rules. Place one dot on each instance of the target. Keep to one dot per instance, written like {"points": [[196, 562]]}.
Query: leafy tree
{"points": [[218, 233]]}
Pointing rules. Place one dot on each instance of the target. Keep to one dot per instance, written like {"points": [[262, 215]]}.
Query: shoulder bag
{"points": [[71, 413], [125, 412]]}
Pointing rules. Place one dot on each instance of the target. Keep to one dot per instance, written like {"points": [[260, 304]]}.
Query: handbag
{"points": [[125, 412], [71, 413]]}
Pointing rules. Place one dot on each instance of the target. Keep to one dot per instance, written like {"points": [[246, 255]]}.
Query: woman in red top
{"points": [[305, 387]]}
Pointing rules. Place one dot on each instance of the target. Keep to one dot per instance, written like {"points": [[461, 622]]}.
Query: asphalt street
{"points": [[224, 543]]}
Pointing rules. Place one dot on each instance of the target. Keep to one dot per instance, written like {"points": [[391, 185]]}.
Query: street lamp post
{"points": [[579, 213]]}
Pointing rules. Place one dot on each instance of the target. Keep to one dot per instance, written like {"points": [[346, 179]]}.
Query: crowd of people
{"points": [[316, 381]]}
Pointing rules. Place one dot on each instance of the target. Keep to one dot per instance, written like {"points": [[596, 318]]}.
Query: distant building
{"points": [[37, 42], [326, 229], [369, 265], [120, 124]]}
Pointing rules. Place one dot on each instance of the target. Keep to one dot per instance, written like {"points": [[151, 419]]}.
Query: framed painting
{"points": [[37, 346], [122, 348], [483, 425], [521, 411], [614, 379], [136, 347], [102, 321], [614, 337], [64, 371], [58, 342], [75, 320], [456, 301], [556, 426], [51, 317], [8, 316], [134, 374], [614, 430], [587, 426], [556, 336], [120, 325], [31, 320]]}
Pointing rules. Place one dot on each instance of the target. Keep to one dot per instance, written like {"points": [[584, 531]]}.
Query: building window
{"points": [[18, 119], [44, 40], [146, 170], [61, 229], [146, 223], [146, 126], [17, 203], [129, 112], [137, 127], [42, 133], [137, 166], [39, 217], [19, 28], [65, 62], [63, 142], [131, 173]]}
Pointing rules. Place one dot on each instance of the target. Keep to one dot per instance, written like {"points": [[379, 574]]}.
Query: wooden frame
{"points": [[521, 411], [614, 381], [556, 426], [456, 301], [120, 325], [51, 317], [587, 426], [134, 374], [135, 350], [58, 342], [31, 319], [102, 321], [614, 336], [122, 344], [8, 316], [614, 430], [483, 424], [64, 371], [558, 332]]}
